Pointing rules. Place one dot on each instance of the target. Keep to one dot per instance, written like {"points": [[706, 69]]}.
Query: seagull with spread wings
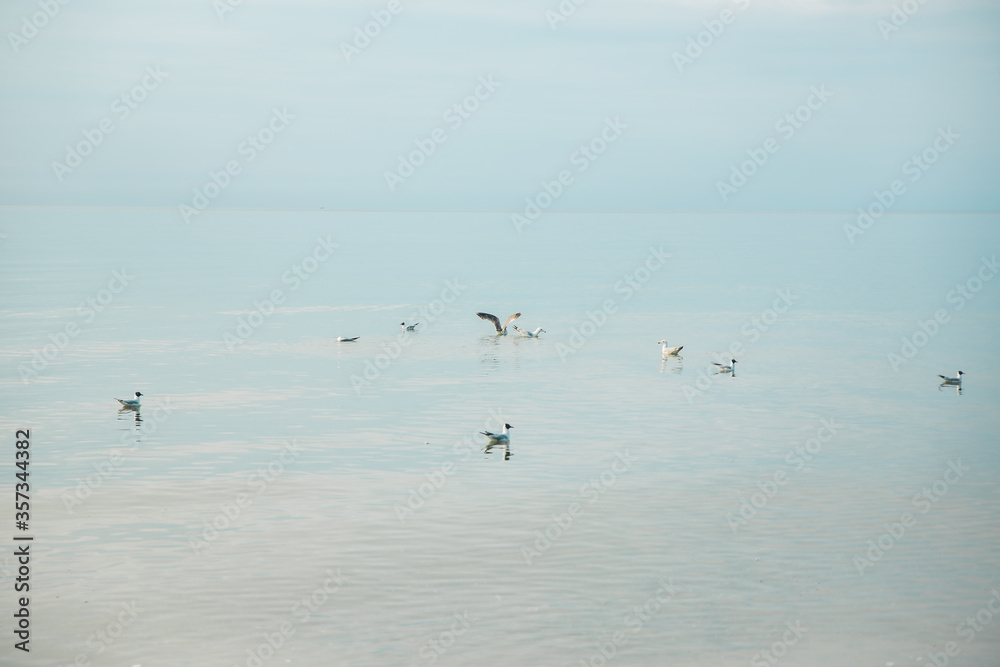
{"points": [[501, 330]]}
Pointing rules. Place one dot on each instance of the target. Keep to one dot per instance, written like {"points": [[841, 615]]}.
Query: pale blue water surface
{"points": [[432, 551]]}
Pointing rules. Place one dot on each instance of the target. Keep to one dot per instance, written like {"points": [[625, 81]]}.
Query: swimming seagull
{"points": [[954, 380], [345, 339], [499, 437], [412, 327], [501, 330], [130, 402], [530, 334], [670, 351], [726, 369]]}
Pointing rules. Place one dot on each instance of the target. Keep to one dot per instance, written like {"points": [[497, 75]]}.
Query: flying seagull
{"points": [[529, 334], [955, 380], [499, 437], [345, 339], [130, 402], [501, 330], [411, 327], [670, 351], [726, 369]]}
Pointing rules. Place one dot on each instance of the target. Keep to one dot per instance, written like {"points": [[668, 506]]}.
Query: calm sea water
{"points": [[282, 498]]}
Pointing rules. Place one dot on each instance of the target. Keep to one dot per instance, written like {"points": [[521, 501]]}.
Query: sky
{"points": [[677, 105]]}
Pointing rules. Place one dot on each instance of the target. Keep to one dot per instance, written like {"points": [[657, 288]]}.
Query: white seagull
{"points": [[670, 351], [501, 330], [130, 402], [954, 380], [345, 339], [726, 369], [411, 327], [499, 437], [530, 334]]}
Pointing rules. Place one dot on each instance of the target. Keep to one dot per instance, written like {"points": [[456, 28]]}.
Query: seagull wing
{"points": [[719, 365], [492, 318], [509, 320]]}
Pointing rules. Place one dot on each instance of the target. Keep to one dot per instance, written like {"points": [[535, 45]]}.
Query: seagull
{"points": [[499, 437], [954, 380], [130, 402], [411, 327], [670, 351], [529, 334], [345, 339], [726, 369], [501, 331]]}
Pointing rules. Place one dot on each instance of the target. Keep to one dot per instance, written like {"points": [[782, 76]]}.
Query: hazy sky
{"points": [[337, 123]]}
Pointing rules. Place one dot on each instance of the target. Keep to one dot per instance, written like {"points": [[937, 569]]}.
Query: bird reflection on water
{"points": [[130, 414], [130, 419], [675, 363], [493, 445], [956, 385]]}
